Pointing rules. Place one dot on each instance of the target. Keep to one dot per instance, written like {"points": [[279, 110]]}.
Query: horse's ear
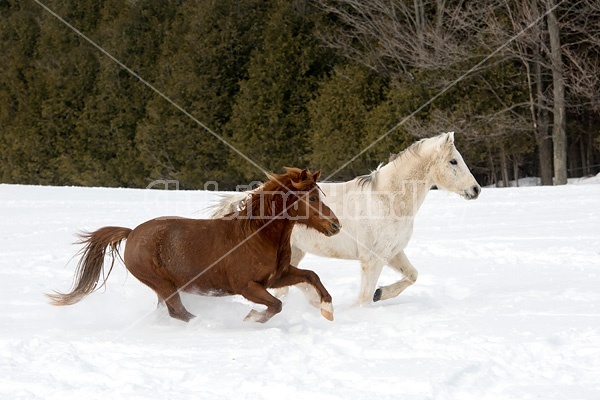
{"points": [[450, 137], [303, 175], [316, 176], [298, 183]]}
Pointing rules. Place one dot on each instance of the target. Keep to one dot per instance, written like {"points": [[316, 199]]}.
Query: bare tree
{"points": [[445, 39], [527, 36], [394, 37], [558, 45], [580, 45], [556, 42], [559, 135]]}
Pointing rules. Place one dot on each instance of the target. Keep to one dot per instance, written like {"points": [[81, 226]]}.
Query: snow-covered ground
{"points": [[536, 181], [507, 306]]}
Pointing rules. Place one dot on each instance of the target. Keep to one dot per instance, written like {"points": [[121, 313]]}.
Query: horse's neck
{"points": [[276, 230], [409, 177]]}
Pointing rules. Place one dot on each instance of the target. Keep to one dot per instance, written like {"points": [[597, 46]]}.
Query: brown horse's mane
{"points": [[267, 201]]}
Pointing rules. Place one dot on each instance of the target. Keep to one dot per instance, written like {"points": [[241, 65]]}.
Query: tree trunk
{"points": [[493, 169], [504, 167], [583, 155], [545, 155], [543, 139], [559, 136], [516, 171]]}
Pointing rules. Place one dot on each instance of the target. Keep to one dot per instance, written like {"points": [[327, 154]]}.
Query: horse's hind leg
{"points": [[257, 293], [168, 293], [176, 308], [401, 264]]}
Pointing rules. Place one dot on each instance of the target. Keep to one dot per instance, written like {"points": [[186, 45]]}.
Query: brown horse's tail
{"points": [[91, 264]]}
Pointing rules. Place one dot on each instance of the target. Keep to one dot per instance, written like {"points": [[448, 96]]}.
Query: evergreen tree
{"points": [[133, 33], [63, 69], [339, 117], [20, 153], [299, 83], [270, 120], [204, 56]]}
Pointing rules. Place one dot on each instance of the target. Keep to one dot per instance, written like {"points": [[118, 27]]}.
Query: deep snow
{"points": [[507, 306]]}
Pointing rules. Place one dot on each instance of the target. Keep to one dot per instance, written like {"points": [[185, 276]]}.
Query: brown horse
{"points": [[244, 253]]}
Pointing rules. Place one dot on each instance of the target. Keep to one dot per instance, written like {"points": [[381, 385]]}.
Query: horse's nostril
{"points": [[476, 190], [335, 226]]}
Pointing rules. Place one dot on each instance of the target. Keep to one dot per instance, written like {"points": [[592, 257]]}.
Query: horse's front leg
{"points": [[297, 256], [401, 264], [297, 275], [257, 293]]}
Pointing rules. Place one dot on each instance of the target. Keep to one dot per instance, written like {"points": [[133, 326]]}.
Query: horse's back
{"points": [[367, 227], [175, 246], [201, 255]]}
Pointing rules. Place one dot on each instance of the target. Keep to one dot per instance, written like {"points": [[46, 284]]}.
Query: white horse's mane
{"points": [[368, 180], [413, 149]]}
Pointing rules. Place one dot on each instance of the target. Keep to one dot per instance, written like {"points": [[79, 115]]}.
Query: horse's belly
{"points": [[228, 274], [310, 241], [356, 241], [207, 288]]}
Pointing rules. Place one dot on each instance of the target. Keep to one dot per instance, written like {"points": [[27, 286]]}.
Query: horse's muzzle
{"points": [[334, 228], [472, 193]]}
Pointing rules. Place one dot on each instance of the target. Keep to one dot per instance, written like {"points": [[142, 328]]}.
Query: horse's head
{"points": [[308, 208], [449, 171]]}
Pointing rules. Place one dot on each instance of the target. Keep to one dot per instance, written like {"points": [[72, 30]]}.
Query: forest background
{"points": [[295, 83]]}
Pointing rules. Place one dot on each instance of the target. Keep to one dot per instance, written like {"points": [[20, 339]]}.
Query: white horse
{"points": [[377, 212]]}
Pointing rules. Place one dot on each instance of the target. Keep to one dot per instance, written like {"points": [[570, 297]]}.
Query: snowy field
{"points": [[507, 306]]}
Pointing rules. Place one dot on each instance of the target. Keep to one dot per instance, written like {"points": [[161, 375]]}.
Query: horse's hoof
{"points": [[327, 311], [377, 295], [185, 317], [256, 316], [190, 316], [252, 316], [327, 315]]}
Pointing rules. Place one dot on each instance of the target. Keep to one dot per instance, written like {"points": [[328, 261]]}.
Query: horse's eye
{"points": [[453, 161], [312, 198]]}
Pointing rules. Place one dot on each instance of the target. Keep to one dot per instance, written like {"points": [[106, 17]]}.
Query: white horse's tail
{"points": [[228, 203]]}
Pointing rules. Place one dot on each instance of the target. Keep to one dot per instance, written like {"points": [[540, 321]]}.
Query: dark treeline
{"points": [[294, 83]]}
